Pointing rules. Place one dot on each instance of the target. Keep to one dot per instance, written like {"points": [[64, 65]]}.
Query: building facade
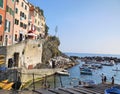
{"points": [[3, 4], [9, 23], [6, 21], [36, 21], [21, 20]]}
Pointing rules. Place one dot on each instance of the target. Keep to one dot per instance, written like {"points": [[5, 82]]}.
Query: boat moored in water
{"points": [[87, 83], [113, 90], [85, 71], [64, 73]]}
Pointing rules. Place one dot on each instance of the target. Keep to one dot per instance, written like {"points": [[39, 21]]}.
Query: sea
{"points": [[75, 76]]}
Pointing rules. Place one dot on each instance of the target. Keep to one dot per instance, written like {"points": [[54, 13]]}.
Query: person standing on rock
{"points": [[112, 80], [102, 76], [105, 79]]}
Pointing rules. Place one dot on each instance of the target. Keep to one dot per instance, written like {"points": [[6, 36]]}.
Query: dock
{"points": [[98, 89]]}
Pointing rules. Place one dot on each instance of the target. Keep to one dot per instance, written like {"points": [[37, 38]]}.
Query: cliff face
{"points": [[50, 48]]}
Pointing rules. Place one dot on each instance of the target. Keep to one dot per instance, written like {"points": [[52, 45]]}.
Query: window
{"points": [[1, 38], [10, 10], [15, 37], [35, 21], [25, 7], [25, 16], [17, 1], [16, 21], [16, 10], [21, 24], [24, 26], [7, 26], [22, 4], [1, 3], [7, 10], [0, 19]]}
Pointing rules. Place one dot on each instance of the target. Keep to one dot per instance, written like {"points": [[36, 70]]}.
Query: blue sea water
{"points": [[75, 76], [91, 54]]}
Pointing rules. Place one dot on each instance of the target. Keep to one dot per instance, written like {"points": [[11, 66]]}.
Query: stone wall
{"points": [[26, 54], [27, 75]]}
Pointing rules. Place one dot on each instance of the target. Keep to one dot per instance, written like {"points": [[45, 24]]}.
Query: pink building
{"points": [[21, 20]]}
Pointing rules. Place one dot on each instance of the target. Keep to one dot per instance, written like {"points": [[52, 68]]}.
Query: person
{"points": [[105, 78], [80, 82], [102, 78], [112, 80]]}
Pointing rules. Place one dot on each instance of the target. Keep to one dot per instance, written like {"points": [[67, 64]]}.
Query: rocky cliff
{"points": [[50, 48]]}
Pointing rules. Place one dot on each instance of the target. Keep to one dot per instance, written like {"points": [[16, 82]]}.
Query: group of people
{"points": [[104, 79]]}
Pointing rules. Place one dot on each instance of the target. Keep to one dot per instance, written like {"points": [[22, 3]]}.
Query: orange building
{"points": [[7, 21], [3, 4]]}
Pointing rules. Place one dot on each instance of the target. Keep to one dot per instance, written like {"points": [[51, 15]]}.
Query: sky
{"points": [[84, 26]]}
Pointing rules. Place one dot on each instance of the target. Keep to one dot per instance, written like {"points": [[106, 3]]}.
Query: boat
{"points": [[96, 66], [6, 85], [64, 73], [87, 83], [116, 69], [86, 71], [113, 90]]}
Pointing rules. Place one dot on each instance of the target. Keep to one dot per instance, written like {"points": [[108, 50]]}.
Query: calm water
{"points": [[75, 76], [89, 54]]}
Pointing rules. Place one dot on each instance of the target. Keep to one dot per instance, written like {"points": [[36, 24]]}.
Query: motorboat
{"points": [[6, 85], [113, 90], [64, 73], [86, 71], [116, 69], [87, 83]]}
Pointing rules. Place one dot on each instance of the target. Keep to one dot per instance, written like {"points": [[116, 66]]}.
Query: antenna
{"points": [[56, 30]]}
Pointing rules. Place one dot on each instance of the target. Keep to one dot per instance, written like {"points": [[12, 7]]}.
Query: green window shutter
{"points": [[7, 9], [0, 19], [5, 25], [1, 3], [9, 26]]}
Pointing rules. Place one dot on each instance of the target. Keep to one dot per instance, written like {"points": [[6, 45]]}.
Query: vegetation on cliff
{"points": [[50, 48]]}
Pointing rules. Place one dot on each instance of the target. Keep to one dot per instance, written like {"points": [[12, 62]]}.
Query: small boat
{"points": [[86, 71], [87, 83], [64, 72], [116, 69], [113, 90], [96, 66], [6, 85]]}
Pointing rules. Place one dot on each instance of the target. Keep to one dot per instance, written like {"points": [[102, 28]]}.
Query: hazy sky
{"points": [[84, 26]]}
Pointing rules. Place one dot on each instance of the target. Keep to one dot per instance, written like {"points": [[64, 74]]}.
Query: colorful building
{"points": [[36, 22], [3, 4], [9, 23], [21, 20], [6, 21]]}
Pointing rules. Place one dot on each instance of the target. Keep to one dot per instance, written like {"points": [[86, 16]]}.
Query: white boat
{"points": [[87, 83], [64, 72], [116, 69], [86, 71]]}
